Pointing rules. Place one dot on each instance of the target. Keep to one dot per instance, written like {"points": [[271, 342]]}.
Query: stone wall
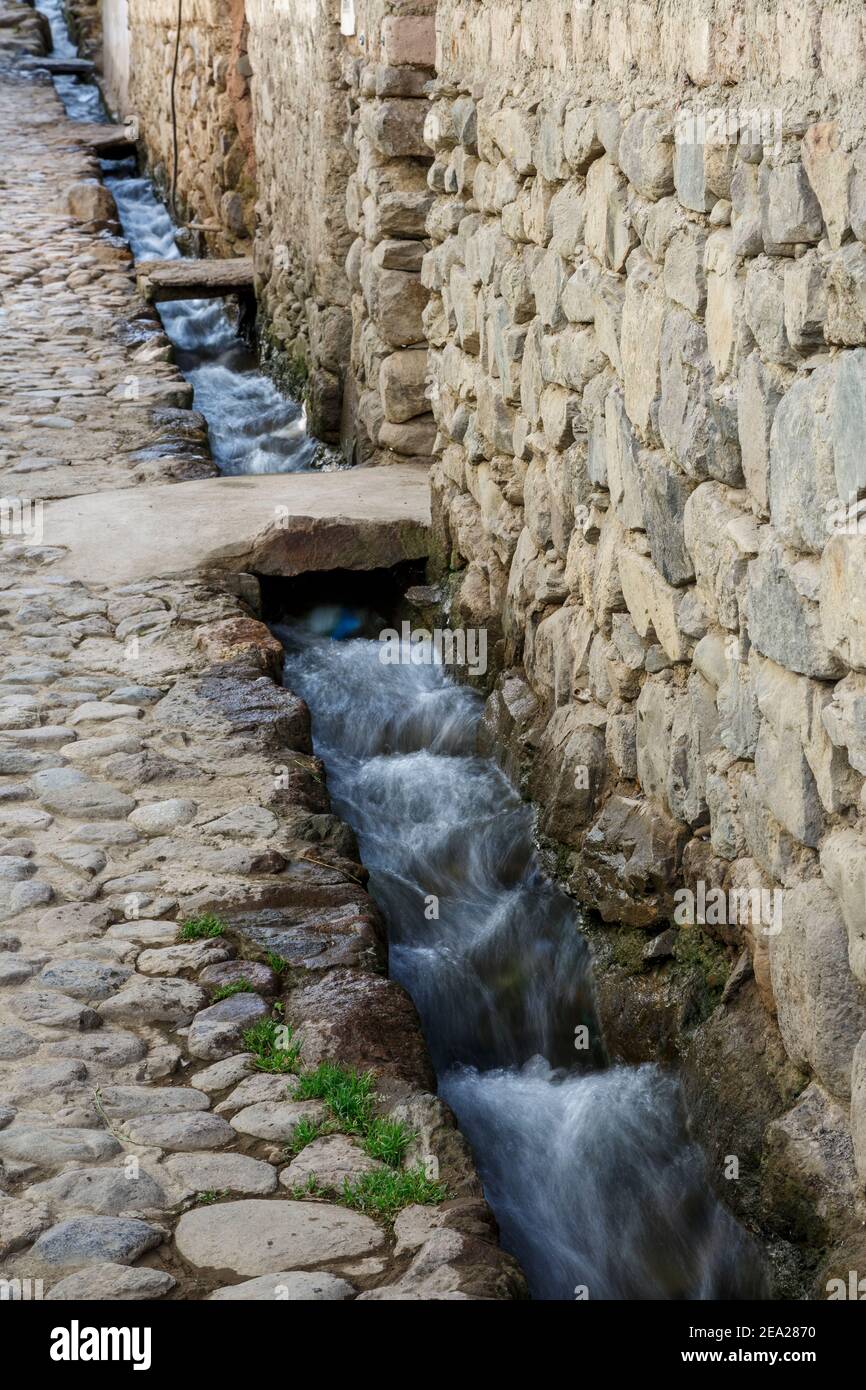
{"points": [[303, 165], [647, 328], [388, 64], [216, 165], [114, 55]]}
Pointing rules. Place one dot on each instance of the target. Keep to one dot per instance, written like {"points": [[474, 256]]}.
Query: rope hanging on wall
{"points": [[173, 192]]}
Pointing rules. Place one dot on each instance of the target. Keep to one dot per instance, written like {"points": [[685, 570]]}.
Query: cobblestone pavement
{"points": [[154, 773]]}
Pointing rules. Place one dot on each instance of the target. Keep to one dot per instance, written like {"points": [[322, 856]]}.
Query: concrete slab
{"points": [[281, 524]]}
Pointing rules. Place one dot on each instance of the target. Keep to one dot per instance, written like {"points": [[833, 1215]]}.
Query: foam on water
{"points": [[589, 1169]]}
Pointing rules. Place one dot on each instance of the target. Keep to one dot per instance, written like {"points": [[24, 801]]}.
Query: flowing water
{"points": [[589, 1168], [253, 427]]}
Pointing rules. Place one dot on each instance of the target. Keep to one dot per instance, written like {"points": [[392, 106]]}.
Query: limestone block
{"points": [[791, 212], [571, 357], [764, 309], [785, 623], [409, 39], [515, 286], [694, 738], [622, 468], [578, 297], [697, 424], [684, 277], [786, 784], [846, 296], [395, 127], [646, 153], [399, 303], [607, 317], [652, 603], [802, 482], [720, 538], [557, 657], [609, 233], [843, 602], [843, 864], [828, 169], [857, 194], [725, 291], [746, 212], [847, 412], [805, 302], [664, 492], [844, 718], [508, 342], [760, 389], [464, 115], [402, 383], [643, 314], [549, 157], [821, 1006], [568, 220], [858, 1109], [464, 301], [514, 131], [548, 281], [580, 140], [569, 770]]}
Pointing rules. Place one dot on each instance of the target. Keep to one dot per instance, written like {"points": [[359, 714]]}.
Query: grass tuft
{"points": [[347, 1093], [240, 986], [198, 928], [386, 1192], [278, 963], [388, 1141], [273, 1046]]}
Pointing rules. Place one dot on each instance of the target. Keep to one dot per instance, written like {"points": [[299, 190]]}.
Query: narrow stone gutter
{"points": [[153, 769]]}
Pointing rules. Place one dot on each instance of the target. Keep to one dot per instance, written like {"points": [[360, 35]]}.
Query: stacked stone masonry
{"points": [[215, 183], [647, 329], [389, 62]]}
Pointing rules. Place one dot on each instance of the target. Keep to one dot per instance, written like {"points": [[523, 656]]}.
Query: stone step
{"points": [[107, 141], [61, 67], [159, 281], [279, 523]]}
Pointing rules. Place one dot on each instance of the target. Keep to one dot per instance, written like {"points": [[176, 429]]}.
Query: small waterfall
{"points": [[253, 427], [589, 1168]]}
